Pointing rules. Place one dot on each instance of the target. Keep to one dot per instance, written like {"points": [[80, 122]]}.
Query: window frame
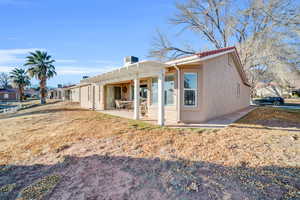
{"points": [[174, 81], [154, 102], [191, 89]]}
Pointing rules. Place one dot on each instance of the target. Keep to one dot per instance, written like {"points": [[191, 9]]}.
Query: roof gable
{"points": [[205, 55]]}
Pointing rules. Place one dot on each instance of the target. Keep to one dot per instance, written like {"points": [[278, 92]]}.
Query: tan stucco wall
{"points": [[220, 80], [193, 114], [86, 96], [75, 95]]}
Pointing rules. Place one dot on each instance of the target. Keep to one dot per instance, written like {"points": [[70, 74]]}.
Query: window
{"points": [[143, 91], [238, 90], [154, 93], [5, 96], [169, 89], [190, 89]]}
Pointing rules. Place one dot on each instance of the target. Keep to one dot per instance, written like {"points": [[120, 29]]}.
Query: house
{"points": [[32, 93], [191, 89], [265, 89], [74, 94], [9, 95], [61, 93]]}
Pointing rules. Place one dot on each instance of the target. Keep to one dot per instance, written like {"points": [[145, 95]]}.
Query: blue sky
{"points": [[84, 37]]}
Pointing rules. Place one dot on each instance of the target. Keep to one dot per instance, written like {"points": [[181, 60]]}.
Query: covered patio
{"points": [[216, 123], [131, 78]]}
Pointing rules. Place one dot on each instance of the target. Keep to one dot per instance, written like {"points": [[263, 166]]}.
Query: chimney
{"points": [[130, 60], [85, 77], [59, 85]]}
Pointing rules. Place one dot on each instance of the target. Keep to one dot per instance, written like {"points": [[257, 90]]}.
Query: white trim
{"points": [[173, 99], [136, 98], [178, 103], [161, 101], [196, 90], [143, 67]]}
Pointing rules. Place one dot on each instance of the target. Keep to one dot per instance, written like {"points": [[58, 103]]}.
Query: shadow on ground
{"points": [[108, 177]]}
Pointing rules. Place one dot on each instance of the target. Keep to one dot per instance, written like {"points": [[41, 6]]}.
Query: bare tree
{"points": [[265, 32], [4, 80]]}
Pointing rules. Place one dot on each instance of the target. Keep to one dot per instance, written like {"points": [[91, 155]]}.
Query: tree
{"points": [[4, 80], [265, 32], [20, 80], [41, 67]]}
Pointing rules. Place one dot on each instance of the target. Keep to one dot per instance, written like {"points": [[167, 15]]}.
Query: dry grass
{"points": [[45, 135], [60, 129], [271, 114], [39, 189]]}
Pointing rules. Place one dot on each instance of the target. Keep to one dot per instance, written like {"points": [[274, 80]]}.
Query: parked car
{"points": [[277, 101]]}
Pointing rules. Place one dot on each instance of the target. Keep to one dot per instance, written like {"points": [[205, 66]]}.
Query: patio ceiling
{"points": [[141, 70]]}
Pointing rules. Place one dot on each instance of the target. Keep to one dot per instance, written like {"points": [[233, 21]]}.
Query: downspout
{"points": [[178, 94]]}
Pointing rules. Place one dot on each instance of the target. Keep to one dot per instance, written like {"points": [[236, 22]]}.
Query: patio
{"points": [[129, 114], [216, 123]]}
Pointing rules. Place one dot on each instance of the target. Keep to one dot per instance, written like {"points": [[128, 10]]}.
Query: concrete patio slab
{"points": [[120, 113], [219, 122]]}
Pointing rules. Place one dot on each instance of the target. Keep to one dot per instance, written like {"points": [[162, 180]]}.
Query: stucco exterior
{"points": [[75, 94], [221, 88], [8, 95], [86, 97]]}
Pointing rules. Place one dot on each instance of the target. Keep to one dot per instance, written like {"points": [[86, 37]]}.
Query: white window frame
{"points": [[196, 91], [170, 74], [154, 101]]}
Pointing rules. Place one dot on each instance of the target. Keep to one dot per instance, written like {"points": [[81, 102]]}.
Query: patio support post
{"points": [[178, 93], [102, 97], [93, 96], [136, 98], [161, 99], [79, 95]]}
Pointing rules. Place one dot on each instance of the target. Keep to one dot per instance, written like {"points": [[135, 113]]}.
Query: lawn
{"points": [[61, 151]]}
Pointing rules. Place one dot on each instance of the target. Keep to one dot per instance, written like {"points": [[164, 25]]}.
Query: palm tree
{"points": [[19, 79], [41, 67]]}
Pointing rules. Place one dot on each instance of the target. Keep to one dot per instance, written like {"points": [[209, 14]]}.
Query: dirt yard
{"points": [[60, 151]]}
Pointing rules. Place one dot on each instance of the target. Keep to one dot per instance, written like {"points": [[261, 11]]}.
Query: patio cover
{"points": [[129, 72]]}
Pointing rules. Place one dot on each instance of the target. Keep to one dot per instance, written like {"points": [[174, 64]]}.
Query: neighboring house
{"points": [[74, 94], [9, 95], [191, 89], [31, 92], [61, 92], [270, 90], [273, 89]]}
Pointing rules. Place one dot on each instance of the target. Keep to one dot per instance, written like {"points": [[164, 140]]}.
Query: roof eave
{"points": [[195, 58]]}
